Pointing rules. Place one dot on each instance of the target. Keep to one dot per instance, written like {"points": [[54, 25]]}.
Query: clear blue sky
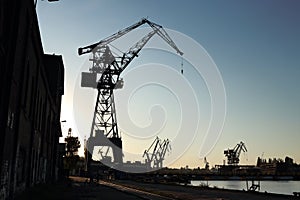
{"points": [[255, 45]]}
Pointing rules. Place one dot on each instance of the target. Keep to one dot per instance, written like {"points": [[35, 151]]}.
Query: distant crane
{"points": [[159, 149], [234, 154], [206, 163]]}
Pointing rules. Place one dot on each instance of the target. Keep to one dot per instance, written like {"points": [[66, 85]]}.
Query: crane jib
{"points": [[161, 32]]}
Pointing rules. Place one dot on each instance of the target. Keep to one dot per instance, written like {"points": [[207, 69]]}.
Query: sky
{"points": [[253, 45]]}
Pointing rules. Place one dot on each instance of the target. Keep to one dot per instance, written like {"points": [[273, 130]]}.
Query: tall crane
{"points": [[104, 130], [206, 164], [164, 147], [155, 154], [233, 155]]}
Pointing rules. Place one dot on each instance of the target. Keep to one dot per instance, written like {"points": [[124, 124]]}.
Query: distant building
{"points": [[278, 167], [32, 84], [267, 167]]}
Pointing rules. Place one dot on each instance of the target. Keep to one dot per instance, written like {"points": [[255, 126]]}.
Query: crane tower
{"points": [[155, 154], [233, 155], [108, 66]]}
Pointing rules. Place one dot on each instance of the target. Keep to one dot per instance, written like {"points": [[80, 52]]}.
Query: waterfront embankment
{"points": [[80, 188], [173, 191]]}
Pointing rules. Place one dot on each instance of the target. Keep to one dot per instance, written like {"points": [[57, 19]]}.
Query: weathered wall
{"points": [[30, 101]]}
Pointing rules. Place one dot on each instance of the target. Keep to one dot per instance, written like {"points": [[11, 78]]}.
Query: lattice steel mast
{"points": [[104, 129]]}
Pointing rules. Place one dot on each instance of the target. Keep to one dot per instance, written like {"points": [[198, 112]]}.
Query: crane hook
{"points": [[181, 65]]}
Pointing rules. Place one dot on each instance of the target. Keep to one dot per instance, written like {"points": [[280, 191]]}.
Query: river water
{"points": [[279, 187]]}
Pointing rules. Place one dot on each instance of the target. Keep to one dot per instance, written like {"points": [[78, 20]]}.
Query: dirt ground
{"points": [[79, 188], [199, 193]]}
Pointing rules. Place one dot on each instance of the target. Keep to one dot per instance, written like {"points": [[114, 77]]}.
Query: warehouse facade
{"points": [[32, 85]]}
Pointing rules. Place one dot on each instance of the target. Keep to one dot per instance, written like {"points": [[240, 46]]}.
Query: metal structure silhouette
{"points": [[233, 155], [104, 129], [155, 154]]}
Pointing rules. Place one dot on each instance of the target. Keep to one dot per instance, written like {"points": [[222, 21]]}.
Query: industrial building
{"points": [[32, 85]]}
